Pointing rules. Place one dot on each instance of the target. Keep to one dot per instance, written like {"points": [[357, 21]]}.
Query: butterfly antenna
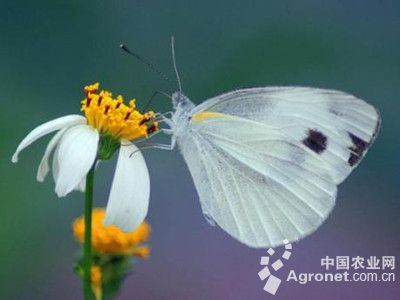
{"points": [[145, 62], [174, 63], [152, 98]]}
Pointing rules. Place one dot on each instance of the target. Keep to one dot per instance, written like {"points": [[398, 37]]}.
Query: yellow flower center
{"points": [[112, 116], [110, 239]]}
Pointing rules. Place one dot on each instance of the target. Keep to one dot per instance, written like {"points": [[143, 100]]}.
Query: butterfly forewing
{"points": [[337, 127]]}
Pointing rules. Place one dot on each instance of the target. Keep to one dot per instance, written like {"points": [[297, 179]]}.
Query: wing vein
{"points": [[273, 157]]}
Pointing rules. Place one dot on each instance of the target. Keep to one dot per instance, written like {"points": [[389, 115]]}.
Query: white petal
{"points": [[75, 156], [130, 191], [55, 166], [46, 128], [81, 187], [44, 164]]}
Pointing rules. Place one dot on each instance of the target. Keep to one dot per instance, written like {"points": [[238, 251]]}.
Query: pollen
{"points": [[111, 116], [110, 239]]}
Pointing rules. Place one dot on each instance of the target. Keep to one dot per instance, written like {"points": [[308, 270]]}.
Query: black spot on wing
{"points": [[316, 141], [357, 150]]}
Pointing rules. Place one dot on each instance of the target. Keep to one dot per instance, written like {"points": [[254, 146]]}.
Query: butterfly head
{"points": [[181, 102]]}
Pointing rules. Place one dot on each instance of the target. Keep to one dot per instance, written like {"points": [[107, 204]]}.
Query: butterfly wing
{"points": [[256, 184], [267, 171], [336, 126]]}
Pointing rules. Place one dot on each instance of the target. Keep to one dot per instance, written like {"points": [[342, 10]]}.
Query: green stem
{"points": [[87, 250]]}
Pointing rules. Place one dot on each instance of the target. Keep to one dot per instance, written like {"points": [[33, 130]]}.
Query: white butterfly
{"points": [[266, 161]]}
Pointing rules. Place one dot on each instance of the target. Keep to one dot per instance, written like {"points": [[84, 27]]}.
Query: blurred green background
{"points": [[50, 49]]}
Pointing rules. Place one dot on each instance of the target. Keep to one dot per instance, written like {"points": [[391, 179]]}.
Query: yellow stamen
{"points": [[206, 115], [141, 251], [112, 116]]}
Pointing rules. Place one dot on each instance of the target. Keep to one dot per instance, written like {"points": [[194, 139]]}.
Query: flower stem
{"points": [[87, 251]]}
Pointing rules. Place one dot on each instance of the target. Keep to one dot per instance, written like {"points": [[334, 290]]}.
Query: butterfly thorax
{"points": [[183, 106]]}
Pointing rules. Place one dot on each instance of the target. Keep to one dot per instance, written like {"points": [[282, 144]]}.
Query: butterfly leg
{"points": [[167, 131], [164, 119], [158, 146], [168, 147]]}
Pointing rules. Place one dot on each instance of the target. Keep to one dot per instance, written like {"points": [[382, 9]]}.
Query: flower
{"points": [[113, 252], [109, 239], [80, 142], [113, 117]]}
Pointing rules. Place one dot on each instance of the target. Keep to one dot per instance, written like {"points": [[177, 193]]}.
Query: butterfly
{"points": [[266, 162]]}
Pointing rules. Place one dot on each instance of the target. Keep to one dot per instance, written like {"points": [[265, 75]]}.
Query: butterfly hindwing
{"points": [[254, 183]]}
